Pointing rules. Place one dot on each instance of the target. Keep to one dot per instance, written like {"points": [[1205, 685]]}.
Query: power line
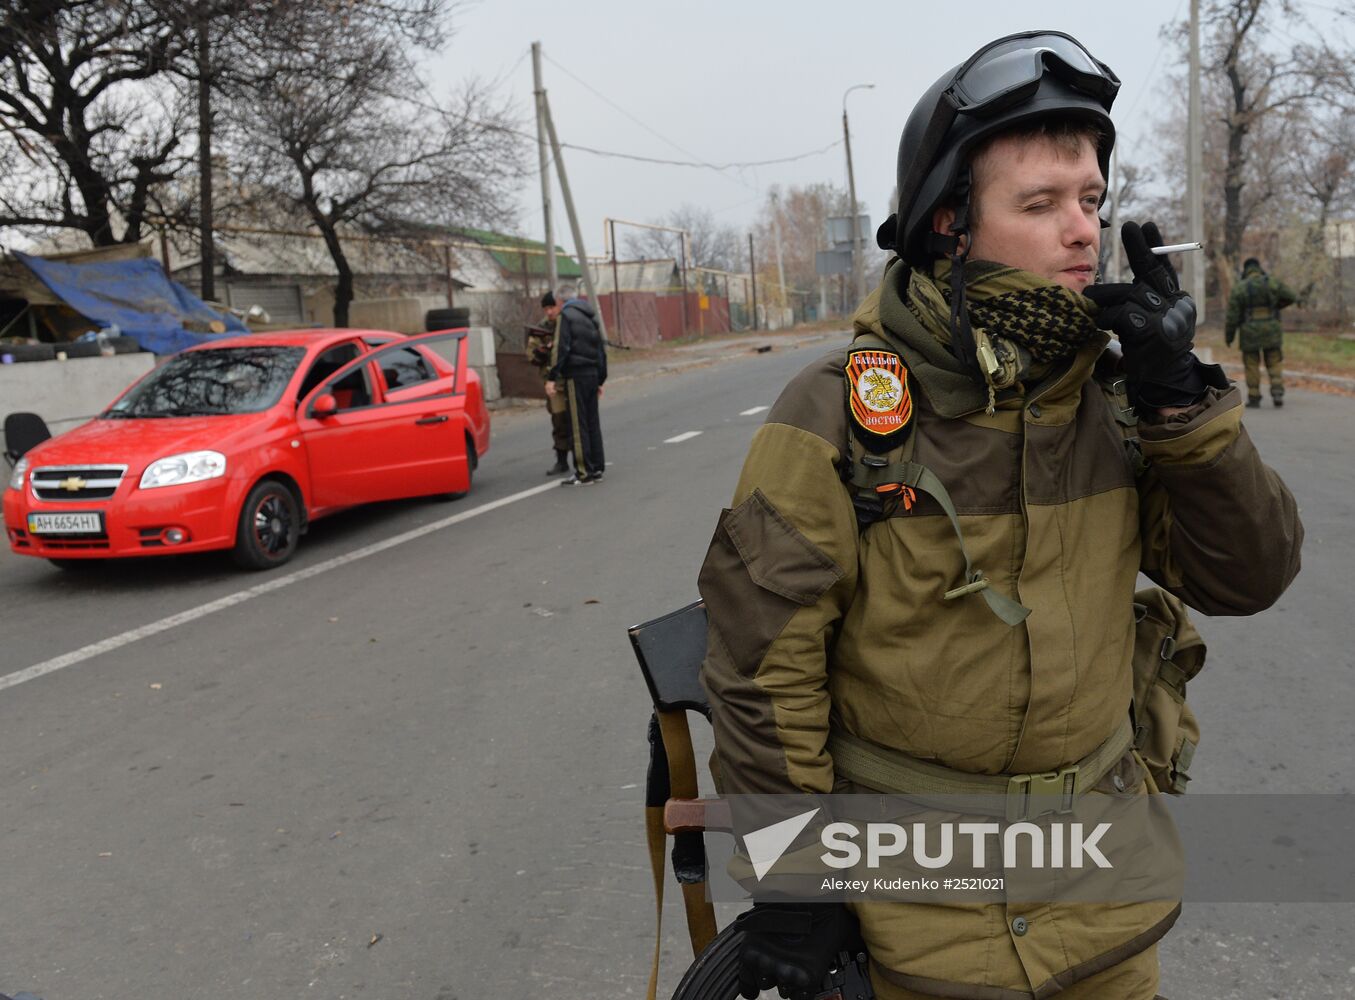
{"points": [[702, 164], [1149, 84], [709, 166], [695, 162], [612, 104]]}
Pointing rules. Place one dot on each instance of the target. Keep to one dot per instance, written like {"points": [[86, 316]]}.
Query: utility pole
{"points": [[569, 210], [1194, 262], [752, 273], [776, 229], [858, 247], [540, 92], [207, 257], [682, 249]]}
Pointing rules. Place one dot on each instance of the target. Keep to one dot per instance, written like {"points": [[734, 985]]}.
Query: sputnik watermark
{"points": [[890, 840], [1021, 844]]}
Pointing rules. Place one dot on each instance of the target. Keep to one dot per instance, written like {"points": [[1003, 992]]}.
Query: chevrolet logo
{"points": [[72, 485]]}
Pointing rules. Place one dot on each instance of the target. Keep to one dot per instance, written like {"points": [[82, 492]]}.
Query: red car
{"points": [[239, 444]]}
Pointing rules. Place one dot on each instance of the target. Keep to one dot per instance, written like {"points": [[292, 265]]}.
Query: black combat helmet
{"points": [[1015, 79]]}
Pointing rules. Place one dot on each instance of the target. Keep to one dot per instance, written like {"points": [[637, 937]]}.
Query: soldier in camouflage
{"points": [[1254, 319], [540, 342], [975, 433]]}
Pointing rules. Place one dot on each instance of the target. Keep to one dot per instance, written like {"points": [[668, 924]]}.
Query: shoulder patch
{"points": [[878, 399]]}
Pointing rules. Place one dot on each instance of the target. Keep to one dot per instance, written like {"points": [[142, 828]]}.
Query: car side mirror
{"points": [[325, 405]]}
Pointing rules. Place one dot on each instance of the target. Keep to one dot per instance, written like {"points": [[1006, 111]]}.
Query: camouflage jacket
{"points": [[817, 624], [1254, 311]]}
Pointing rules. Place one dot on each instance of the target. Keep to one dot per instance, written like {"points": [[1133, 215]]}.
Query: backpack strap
{"points": [[880, 472]]}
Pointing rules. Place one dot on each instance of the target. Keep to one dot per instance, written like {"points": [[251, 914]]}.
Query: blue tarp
{"points": [[137, 297]]}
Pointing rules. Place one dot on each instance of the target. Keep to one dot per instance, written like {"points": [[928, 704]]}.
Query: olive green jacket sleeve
{"points": [[777, 579], [1220, 529]]}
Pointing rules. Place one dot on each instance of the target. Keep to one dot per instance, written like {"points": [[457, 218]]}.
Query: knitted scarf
{"points": [[1028, 324]]}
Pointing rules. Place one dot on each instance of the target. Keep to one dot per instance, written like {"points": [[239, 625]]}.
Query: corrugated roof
{"points": [[565, 265]]}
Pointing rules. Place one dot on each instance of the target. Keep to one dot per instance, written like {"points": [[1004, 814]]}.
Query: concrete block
{"points": [[480, 343], [67, 393], [489, 381]]}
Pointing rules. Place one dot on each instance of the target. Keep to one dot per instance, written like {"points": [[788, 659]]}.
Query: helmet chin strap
{"points": [[955, 247]]}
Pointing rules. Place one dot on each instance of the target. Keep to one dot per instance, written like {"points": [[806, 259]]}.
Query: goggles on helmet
{"points": [[999, 78], [1008, 72]]}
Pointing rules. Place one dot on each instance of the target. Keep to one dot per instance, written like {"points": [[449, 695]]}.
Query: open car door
{"points": [[389, 424]]}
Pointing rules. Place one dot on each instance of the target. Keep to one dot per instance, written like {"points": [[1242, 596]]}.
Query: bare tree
{"points": [[1264, 70], [1263, 85], [334, 125], [803, 215], [89, 126], [712, 244], [1323, 164]]}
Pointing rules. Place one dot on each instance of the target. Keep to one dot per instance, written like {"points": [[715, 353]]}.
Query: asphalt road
{"points": [[409, 764]]}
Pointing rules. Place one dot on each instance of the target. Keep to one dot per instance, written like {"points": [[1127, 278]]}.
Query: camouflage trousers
{"points": [[1133, 979], [1274, 358], [561, 429]]}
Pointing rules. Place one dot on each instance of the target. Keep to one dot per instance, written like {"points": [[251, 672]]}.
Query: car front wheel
{"points": [[269, 526]]}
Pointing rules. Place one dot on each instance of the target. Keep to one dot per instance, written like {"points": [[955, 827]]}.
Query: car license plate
{"points": [[83, 523]]}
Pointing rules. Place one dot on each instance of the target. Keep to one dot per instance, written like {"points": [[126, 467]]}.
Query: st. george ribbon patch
{"points": [[879, 400]]}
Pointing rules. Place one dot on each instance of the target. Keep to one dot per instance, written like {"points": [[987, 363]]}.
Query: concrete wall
{"points": [[67, 393], [400, 315]]}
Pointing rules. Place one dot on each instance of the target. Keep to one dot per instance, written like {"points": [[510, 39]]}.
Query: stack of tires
{"points": [[454, 318]]}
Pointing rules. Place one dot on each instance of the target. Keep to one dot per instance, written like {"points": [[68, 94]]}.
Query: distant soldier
{"points": [[540, 341], [1254, 317]]}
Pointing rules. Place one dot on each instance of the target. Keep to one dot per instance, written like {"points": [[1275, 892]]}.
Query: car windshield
{"points": [[216, 381]]}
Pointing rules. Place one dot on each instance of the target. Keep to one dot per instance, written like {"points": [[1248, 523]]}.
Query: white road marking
{"points": [[684, 436], [276, 583], [749, 413]]}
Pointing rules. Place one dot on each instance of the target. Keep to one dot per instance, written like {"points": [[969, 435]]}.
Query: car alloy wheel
{"points": [[269, 527]]}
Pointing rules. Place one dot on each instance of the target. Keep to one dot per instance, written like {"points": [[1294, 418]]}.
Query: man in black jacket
{"points": [[579, 361]]}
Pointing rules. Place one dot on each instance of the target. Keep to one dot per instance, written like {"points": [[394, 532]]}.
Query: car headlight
{"points": [[16, 480], [193, 467]]}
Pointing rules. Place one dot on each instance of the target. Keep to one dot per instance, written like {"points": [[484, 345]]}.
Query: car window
{"points": [[353, 390], [210, 382], [325, 366], [404, 367]]}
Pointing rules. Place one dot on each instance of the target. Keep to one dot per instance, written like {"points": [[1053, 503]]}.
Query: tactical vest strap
{"points": [[1010, 612], [870, 476]]}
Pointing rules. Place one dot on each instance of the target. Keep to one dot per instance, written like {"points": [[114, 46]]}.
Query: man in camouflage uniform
{"points": [[933, 545], [1254, 319], [540, 343]]}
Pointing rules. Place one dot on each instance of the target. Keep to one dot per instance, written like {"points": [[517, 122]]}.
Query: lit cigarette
{"points": [[1177, 248]]}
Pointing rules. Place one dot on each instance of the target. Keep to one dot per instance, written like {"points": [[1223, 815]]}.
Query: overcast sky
{"points": [[737, 82]]}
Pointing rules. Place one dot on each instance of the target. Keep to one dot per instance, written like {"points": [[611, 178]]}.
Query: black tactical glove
{"points": [[793, 946], [1155, 322]]}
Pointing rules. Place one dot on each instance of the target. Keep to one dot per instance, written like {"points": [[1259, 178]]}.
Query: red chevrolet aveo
{"points": [[240, 443]]}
